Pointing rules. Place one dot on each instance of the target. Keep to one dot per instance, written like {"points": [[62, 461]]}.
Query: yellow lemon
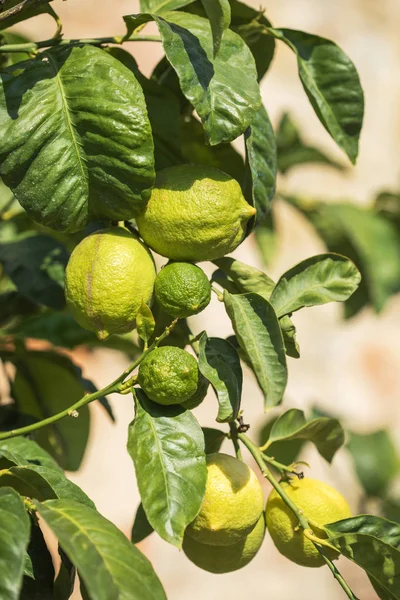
{"points": [[320, 503], [194, 213], [232, 504]]}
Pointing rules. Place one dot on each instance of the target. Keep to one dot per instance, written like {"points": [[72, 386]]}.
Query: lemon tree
{"points": [[104, 174]]}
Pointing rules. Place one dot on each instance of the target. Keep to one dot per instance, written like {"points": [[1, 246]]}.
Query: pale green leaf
{"points": [[161, 6], [145, 322], [110, 566], [316, 280]]}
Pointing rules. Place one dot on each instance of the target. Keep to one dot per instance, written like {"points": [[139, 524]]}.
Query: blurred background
{"points": [[349, 368]]}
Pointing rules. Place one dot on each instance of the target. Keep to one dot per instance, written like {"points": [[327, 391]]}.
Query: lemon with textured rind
{"points": [[169, 375], [182, 289], [320, 503], [195, 213], [217, 559], [232, 504], [108, 276]]}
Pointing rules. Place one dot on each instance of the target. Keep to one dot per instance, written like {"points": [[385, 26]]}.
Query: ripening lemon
{"points": [[169, 375], [182, 289], [320, 503], [195, 213], [232, 504], [224, 559], [108, 276]]}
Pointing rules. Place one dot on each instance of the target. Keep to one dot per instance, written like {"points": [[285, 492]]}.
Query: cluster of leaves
{"points": [[370, 236], [77, 152]]}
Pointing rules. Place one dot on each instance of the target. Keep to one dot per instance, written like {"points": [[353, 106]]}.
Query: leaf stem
{"points": [[304, 524], [30, 47], [234, 438], [280, 466], [114, 387]]}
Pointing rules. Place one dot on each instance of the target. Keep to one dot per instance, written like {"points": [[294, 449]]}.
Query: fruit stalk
{"points": [[255, 451], [114, 387]]}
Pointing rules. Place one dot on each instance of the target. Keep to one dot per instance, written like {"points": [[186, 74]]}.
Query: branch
{"points": [[71, 411], [15, 10]]}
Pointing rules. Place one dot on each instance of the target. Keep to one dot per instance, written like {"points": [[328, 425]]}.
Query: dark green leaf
{"points": [[14, 305], [65, 580], [316, 280], [14, 539], [194, 149], [257, 330], [245, 277], [213, 439], [84, 143], [381, 591], [39, 584], [391, 508], [10, 37], [327, 434], [225, 91], [261, 165], [373, 544], [250, 25], [141, 527], [219, 362], [332, 85], [36, 266], [110, 566], [145, 323], [167, 447], [375, 460], [219, 14], [29, 451], [293, 151], [42, 483], [47, 383]]}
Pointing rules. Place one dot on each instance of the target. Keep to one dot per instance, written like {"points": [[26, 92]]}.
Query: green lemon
{"points": [[232, 504], [108, 276], [224, 559], [195, 213], [169, 375], [182, 289], [320, 503]]}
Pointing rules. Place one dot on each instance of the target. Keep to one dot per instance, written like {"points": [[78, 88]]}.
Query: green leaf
{"points": [[36, 266], [245, 277], [27, 11], [39, 584], [261, 163], [14, 538], [166, 445], [327, 434], [332, 85], [383, 594], [14, 305], [42, 483], [145, 323], [284, 451], [161, 6], [194, 149], [372, 543], [225, 91], [219, 362], [257, 330], [29, 451], [365, 237], [288, 329], [267, 239], [391, 508], [141, 527], [316, 280], [219, 15], [293, 151], [387, 204], [86, 144], [45, 384], [250, 25], [375, 461], [110, 566], [65, 581], [213, 439]]}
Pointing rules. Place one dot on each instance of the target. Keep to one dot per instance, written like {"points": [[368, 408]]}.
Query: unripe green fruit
{"points": [[182, 289], [169, 375], [108, 276]]}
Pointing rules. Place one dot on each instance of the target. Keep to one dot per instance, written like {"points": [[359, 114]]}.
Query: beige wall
{"points": [[351, 368]]}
